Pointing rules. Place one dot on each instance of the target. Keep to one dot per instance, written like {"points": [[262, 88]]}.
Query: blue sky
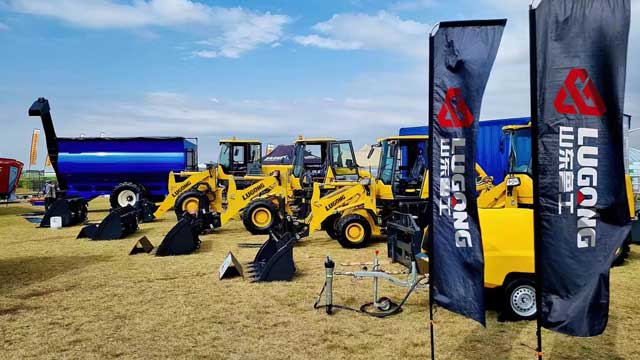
{"points": [[262, 69]]}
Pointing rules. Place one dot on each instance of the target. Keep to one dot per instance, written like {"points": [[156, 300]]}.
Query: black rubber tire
{"points": [[341, 228], [509, 289], [135, 188], [260, 204], [329, 225], [189, 194]]}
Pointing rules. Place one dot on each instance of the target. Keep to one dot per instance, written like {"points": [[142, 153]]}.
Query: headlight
{"points": [[514, 181], [365, 182]]}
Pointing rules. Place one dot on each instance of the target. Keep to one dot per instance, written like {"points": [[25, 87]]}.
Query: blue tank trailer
{"points": [[128, 169]]}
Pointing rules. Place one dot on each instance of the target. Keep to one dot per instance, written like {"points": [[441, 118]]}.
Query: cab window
{"points": [[238, 154], [343, 160], [255, 153], [224, 157]]}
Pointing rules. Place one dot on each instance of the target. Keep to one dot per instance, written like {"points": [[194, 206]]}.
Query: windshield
{"points": [[299, 161], [385, 170], [520, 151], [223, 159]]}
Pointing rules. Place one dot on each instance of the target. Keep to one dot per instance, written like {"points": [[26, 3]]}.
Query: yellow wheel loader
{"points": [[354, 214], [326, 161], [225, 188]]}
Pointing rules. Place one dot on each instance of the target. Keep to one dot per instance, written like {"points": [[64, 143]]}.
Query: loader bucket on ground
{"points": [[274, 260], [120, 223], [73, 211], [182, 239], [146, 209]]}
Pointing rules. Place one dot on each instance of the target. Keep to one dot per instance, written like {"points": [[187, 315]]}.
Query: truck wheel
{"points": [[353, 231], [520, 299], [329, 225], [125, 194], [260, 216], [189, 202]]}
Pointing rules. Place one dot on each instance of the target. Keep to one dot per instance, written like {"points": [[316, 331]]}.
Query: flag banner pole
{"points": [[533, 60], [461, 56], [429, 237], [579, 53]]}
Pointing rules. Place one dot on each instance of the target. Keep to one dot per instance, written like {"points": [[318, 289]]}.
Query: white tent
{"points": [[371, 162]]}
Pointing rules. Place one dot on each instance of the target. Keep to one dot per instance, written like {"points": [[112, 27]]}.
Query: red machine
{"points": [[10, 171]]}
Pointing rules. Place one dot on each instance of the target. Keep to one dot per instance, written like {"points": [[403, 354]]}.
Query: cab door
{"points": [[343, 161]]}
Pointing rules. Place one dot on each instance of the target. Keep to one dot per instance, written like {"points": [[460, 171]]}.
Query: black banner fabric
{"points": [[461, 56], [582, 214]]}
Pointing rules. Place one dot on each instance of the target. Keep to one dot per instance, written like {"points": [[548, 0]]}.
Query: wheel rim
{"points": [[261, 217], [191, 205], [354, 232], [126, 197], [523, 300]]}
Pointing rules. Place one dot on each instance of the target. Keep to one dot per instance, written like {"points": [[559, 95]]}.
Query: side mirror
{"points": [[371, 152]]}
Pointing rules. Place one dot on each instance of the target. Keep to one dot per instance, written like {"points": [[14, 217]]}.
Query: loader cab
{"points": [[240, 157], [324, 160], [403, 167], [519, 181]]}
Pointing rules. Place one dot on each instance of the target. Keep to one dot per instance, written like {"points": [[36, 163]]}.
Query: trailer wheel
{"points": [[125, 194], [520, 299], [190, 202], [260, 216], [353, 231], [329, 225]]}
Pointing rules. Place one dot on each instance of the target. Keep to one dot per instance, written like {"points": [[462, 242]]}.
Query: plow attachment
{"points": [[120, 223], [72, 211], [274, 260]]}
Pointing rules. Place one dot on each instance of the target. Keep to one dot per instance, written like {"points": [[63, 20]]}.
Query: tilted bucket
{"points": [[182, 239], [120, 223], [274, 260], [72, 211]]}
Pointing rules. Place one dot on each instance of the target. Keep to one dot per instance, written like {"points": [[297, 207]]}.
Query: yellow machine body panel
{"points": [[507, 239], [630, 200]]}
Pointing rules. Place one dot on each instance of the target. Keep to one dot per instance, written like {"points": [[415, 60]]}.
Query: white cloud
{"points": [[326, 43], [235, 30], [383, 31]]}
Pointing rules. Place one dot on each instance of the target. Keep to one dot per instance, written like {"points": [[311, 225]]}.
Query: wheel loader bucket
{"points": [[182, 239], [120, 223], [146, 209], [274, 260], [73, 211]]}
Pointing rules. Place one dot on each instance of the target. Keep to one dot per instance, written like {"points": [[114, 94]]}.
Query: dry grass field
{"points": [[67, 298]]}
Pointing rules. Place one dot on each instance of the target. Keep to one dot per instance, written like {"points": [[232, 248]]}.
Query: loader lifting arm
{"points": [[177, 189], [332, 203]]}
